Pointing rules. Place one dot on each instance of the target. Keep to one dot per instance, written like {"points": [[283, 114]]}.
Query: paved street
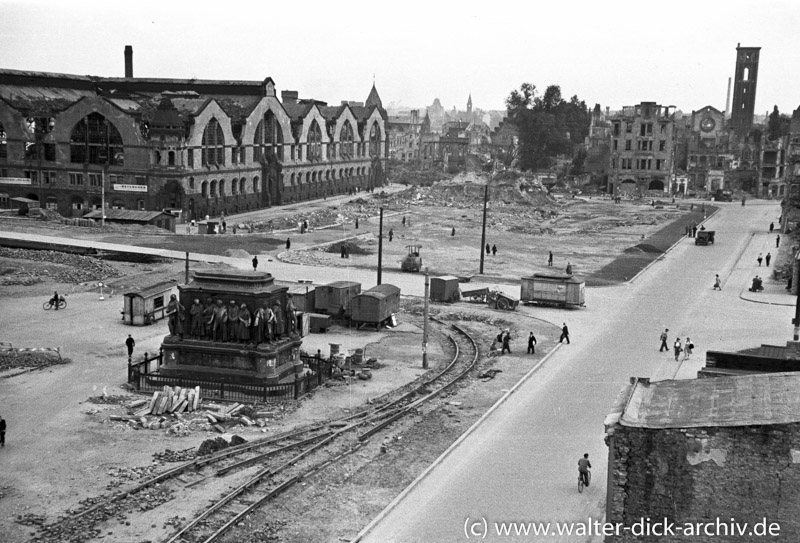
{"points": [[520, 462]]}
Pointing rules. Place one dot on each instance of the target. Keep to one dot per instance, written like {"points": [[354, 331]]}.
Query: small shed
{"points": [[207, 227], [303, 298], [334, 298], [560, 289], [23, 204], [376, 305], [148, 304], [130, 216], [444, 289]]}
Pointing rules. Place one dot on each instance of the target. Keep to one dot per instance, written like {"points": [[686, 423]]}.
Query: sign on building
{"points": [[15, 181], [130, 188]]}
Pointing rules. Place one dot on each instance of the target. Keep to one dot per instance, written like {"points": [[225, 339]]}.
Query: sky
{"points": [[615, 53]]}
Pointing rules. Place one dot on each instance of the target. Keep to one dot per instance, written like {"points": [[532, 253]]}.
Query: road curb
{"points": [[386, 510]]}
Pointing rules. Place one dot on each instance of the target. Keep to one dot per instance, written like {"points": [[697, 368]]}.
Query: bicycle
{"points": [[581, 483], [62, 304]]}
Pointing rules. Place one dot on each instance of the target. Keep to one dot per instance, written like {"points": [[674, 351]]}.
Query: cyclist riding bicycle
{"points": [[583, 469], [54, 300]]}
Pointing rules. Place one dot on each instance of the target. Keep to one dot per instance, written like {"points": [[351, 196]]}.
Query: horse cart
{"points": [[495, 298], [478, 295]]}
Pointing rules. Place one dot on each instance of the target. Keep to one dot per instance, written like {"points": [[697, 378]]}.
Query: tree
{"points": [[548, 126]]}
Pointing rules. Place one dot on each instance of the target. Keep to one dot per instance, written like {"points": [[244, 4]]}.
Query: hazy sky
{"points": [[615, 53]]}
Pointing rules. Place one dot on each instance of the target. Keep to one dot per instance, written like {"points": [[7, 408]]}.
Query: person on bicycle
{"points": [[583, 469], [55, 300]]}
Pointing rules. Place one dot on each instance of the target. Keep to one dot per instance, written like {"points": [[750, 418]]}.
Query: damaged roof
{"points": [[747, 400]]}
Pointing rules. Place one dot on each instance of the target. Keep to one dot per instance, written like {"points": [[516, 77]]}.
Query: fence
{"points": [[145, 377]]}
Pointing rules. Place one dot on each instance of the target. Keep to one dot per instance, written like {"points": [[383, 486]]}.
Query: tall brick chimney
{"points": [[129, 62]]}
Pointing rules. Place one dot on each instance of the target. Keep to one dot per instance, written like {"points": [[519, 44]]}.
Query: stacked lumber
{"points": [[171, 400]]}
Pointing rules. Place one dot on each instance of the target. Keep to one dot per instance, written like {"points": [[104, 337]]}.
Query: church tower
{"points": [[744, 90], [469, 103]]}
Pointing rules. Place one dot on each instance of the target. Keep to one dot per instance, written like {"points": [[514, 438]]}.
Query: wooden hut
{"points": [[560, 289], [334, 298], [444, 289], [147, 305], [303, 298], [376, 305]]}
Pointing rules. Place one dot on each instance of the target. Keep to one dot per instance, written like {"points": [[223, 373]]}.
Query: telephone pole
{"points": [[425, 323], [483, 231]]}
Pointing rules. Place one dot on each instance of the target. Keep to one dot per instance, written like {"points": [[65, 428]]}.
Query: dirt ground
{"points": [[62, 447]]}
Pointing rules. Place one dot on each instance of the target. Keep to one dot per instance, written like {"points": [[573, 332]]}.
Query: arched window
{"points": [[255, 184], [242, 186], [204, 189], [346, 140], [234, 186], [213, 192], [268, 138], [140, 205], [191, 183], [308, 177], [222, 187], [171, 158], [314, 151], [213, 144], [94, 140], [374, 140]]}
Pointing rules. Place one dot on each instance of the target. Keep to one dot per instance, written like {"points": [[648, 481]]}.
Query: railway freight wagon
{"points": [[563, 290], [334, 298], [375, 306], [147, 305], [444, 289]]}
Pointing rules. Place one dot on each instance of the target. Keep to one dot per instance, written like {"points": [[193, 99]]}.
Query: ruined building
{"points": [[642, 140], [745, 80], [716, 452], [205, 147]]}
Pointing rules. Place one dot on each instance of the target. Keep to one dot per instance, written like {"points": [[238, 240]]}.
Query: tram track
{"points": [[292, 456]]}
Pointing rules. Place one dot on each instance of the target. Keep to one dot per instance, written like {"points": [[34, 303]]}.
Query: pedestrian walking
{"points": [[678, 348], [550, 259], [453, 232], [2, 432], [404, 220], [569, 268], [356, 223], [288, 244], [768, 258], [506, 343], [129, 343], [564, 333], [494, 250], [391, 234], [771, 227], [760, 258], [663, 338], [531, 344], [341, 251], [687, 349], [717, 283], [488, 249], [694, 231], [224, 226], [778, 241], [255, 263]]}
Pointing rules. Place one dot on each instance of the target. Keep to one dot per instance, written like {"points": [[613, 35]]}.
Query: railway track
{"points": [[251, 474]]}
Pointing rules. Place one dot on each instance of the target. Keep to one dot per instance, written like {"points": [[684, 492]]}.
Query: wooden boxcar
{"points": [[444, 289], [376, 306], [560, 289], [334, 298], [147, 305]]}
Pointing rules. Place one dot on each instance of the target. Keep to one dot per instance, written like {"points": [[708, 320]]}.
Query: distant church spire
{"points": [[469, 103], [373, 99]]}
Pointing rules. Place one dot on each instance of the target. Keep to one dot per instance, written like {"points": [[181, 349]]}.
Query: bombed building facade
{"points": [[205, 147]]}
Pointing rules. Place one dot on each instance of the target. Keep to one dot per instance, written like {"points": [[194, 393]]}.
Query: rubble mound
{"points": [[352, 248], [13, 359], [210, 446], [73, 268], [643, 248]]}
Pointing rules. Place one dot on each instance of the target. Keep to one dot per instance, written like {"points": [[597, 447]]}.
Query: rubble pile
{"points": [[73, 269], [12, 359], [78, 530], [210, 446], [123, 474], [171, 400], [175, 456]]}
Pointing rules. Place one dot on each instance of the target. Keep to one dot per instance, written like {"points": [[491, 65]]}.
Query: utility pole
{"points": [[796, 285], [483, 231], [103, 197], [425, 323], [187, 268], [380, 246]]}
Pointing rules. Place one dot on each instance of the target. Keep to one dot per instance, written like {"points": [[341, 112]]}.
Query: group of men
{"points": [[234, 322]]}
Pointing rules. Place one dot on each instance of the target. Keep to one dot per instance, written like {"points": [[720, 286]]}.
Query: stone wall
{"points": [[699, 475]]}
